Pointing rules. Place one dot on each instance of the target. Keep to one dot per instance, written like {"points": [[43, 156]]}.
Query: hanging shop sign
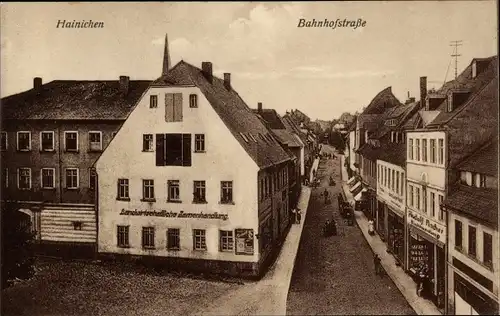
{"points": [[244, 241], [181, 214], [433, 228]]}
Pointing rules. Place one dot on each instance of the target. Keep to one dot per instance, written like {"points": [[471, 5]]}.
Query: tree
{"points": [[17, 245], [336, 140]]}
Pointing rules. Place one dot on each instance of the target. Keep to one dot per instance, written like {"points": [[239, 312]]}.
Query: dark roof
{"points": [[293, 127], [271, 117], [370, 152], [74, 100], [394, 153], [479, 203], [233, 111], [285, 137], [382, 101], [484, 160], [465, 82]]}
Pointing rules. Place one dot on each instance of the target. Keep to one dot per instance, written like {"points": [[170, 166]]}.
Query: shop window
{"points": [[148, 237], [226, 241], [458, 235], [122, 236], [488, 250], [472, 242], [173, 239]]}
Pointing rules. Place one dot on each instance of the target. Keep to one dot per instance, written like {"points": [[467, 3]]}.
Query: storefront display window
{"points": [[396, 237]]}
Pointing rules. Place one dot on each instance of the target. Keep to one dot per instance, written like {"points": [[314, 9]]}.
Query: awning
{"points": [[359, 195], [355, 187], [351, 181]]}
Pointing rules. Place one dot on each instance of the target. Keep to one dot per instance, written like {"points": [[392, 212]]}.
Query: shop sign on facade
{"points": [[433, 228], [181, 214], [244, 241], [391, 199]]}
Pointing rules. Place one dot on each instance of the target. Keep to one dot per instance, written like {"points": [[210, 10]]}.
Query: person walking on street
{"points": [[326, 196], [376, 263], [371, 230], [299, 215]]}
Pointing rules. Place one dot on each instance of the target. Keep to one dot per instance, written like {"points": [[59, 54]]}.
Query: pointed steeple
{"points": [[166, 57]]}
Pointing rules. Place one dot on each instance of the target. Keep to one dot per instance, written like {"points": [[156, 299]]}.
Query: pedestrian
{"points": [[299, 215], [326, 228], [376, 263], [294, 215], [371, 230], [326, 195]]}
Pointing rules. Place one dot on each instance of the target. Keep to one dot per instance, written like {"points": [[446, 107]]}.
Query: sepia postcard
{"points": [[249, 158]]}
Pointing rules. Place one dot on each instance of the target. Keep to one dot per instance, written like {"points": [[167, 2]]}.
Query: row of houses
{"points": [[426, 172], [178, 169]]}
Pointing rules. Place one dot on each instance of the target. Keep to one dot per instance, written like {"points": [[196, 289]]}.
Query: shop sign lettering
{"points": [[434, 229], [181, 214], [390, 197]]}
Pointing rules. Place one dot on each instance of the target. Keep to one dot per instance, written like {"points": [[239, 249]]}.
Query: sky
{"points": [[321, 71]]}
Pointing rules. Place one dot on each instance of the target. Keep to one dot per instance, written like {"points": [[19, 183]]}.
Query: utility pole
{"points": [[455, 54]]}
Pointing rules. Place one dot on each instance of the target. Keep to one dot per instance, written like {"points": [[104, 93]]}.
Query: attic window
{"points": [[244, 137]]}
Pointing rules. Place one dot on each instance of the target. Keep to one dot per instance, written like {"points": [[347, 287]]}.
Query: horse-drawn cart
{"points": [[346, 210]]}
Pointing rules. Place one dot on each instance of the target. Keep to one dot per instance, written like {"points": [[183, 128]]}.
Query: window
{"points": [[147, 142], [123, 193], [417, 198], [72, 178], [48, 178], [424, 150], [473, 180], [402, 183], [173, 191], [24, 141], [433, 204], [397, 182], [193, 101], [393, 179], [199, 143], [95, 141], [410, 195], [472, 241], [441, 151], [424, 199], [226, 195], [24, 178], [458, 234], [441, 211], [482, 181], [487, 249], [122, 236], [5, 178], [148, 190], [153, 101], [433, 150], [173, 239], [92, 179], [417, 149], [173, 149], [46, 141], [148, 237], [410, 149], [173, 107], [71, 141], [226, 240], [199, 239], [3, 141], [199, 192]]}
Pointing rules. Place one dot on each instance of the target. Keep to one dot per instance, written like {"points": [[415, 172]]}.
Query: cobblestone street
{"points": [[335, 275]]}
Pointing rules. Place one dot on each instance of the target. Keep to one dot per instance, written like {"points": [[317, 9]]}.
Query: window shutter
{"points": [[160, 149], [186, 149], [169, 107], [177, 107]]}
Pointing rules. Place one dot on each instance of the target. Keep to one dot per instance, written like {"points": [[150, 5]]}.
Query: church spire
{"points": [[166, 58]]}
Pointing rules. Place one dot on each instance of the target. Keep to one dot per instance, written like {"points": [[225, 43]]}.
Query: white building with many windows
{"points": [[193, 177]]}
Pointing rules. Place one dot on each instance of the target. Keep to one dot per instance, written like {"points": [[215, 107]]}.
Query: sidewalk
{"points": [[269, 295], [403, 281]]}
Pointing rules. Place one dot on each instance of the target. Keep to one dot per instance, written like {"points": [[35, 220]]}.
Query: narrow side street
{"points": [[335, 275]]}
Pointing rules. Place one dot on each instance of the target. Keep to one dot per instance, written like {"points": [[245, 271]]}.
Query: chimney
{"points": [[227, 80], [423, 91], [166, 58], [124, 84], [206, 68], [37, 84], [408, 95], [259, 107]]}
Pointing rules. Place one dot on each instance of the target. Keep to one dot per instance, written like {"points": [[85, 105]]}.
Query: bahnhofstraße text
{"points": [[333, 24], [81, 24]]}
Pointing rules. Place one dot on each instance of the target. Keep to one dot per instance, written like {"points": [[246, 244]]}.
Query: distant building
{"points": [[194, 179]]}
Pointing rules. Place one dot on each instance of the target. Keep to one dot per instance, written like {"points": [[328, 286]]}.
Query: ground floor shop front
{"points": [[427, 265], [468, 299]]}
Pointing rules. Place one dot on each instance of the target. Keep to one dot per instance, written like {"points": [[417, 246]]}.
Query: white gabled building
{"points": [[193, 177]]}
